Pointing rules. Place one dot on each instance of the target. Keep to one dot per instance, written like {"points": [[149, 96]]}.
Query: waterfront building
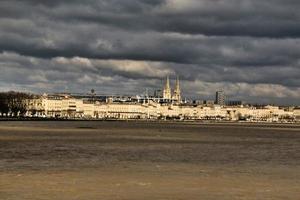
{"points": [[220, 98], [177, 91], [167, 93], [235, 103], [296, 113], [158, 93], [78, 106], [209, 102]]}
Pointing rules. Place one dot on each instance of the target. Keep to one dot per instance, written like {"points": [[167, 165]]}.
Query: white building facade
{"points": [[68, 107]]}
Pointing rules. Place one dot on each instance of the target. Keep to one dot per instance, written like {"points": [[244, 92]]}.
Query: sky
{"points": [[248, 48]]}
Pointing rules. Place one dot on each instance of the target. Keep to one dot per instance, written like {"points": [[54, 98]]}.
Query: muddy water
{"points": [[139, 160]]}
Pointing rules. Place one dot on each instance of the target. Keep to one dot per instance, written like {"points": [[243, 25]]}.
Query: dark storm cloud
{"points": [[233, 44], [273, 18]]}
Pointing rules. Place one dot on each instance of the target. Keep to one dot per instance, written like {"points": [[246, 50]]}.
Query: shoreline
{"points": [[208, 122]]}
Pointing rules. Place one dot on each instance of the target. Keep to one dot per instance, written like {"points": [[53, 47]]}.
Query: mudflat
{"points": [[83, 160]]}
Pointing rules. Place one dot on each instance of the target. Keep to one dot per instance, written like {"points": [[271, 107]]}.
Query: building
{"points": [[177, 92], [170, 106], [167, 93], [220, 98], [209, 102], [297, 114], [235, 103], [198, 102], [69, 107], [158, 93]]}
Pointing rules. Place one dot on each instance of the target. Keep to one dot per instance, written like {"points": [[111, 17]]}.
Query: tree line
{"points": [[13, 103]]}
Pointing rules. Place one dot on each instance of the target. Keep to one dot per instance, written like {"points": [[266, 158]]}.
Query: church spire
{"points": [[167, 87], [177, 91], [177, 87], [167, 90]]}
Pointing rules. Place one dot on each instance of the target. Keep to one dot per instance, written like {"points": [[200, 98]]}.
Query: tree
{"points": [[4, 107], [14, 103]]}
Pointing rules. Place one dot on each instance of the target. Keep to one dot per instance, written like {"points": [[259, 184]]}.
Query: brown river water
{"points": [[86, 160]]}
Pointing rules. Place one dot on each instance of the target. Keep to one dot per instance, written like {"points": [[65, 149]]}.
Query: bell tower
{"points": [[177, 91], [167, 90]]}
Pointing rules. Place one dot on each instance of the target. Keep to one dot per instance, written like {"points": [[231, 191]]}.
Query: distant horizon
{"points": [[212, 98]]}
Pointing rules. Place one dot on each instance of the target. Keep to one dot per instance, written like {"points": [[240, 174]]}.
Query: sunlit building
{"points": [[125, 108]]}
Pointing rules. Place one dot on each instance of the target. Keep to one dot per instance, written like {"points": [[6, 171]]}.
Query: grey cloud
{"points": [[223, 42], [107, 76], [273, 18]]}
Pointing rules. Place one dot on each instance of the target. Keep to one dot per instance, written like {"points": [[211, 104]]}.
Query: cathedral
{"points": [[167, 91]]}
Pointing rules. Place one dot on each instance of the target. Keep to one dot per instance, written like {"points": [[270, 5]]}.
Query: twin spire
{"points": [[167, 92]]}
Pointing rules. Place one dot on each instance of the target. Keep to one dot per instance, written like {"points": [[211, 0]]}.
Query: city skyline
{"points": [[249, 48]]}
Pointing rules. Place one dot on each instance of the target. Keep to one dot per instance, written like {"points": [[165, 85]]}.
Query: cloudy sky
{"points": [[249, 48]]}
